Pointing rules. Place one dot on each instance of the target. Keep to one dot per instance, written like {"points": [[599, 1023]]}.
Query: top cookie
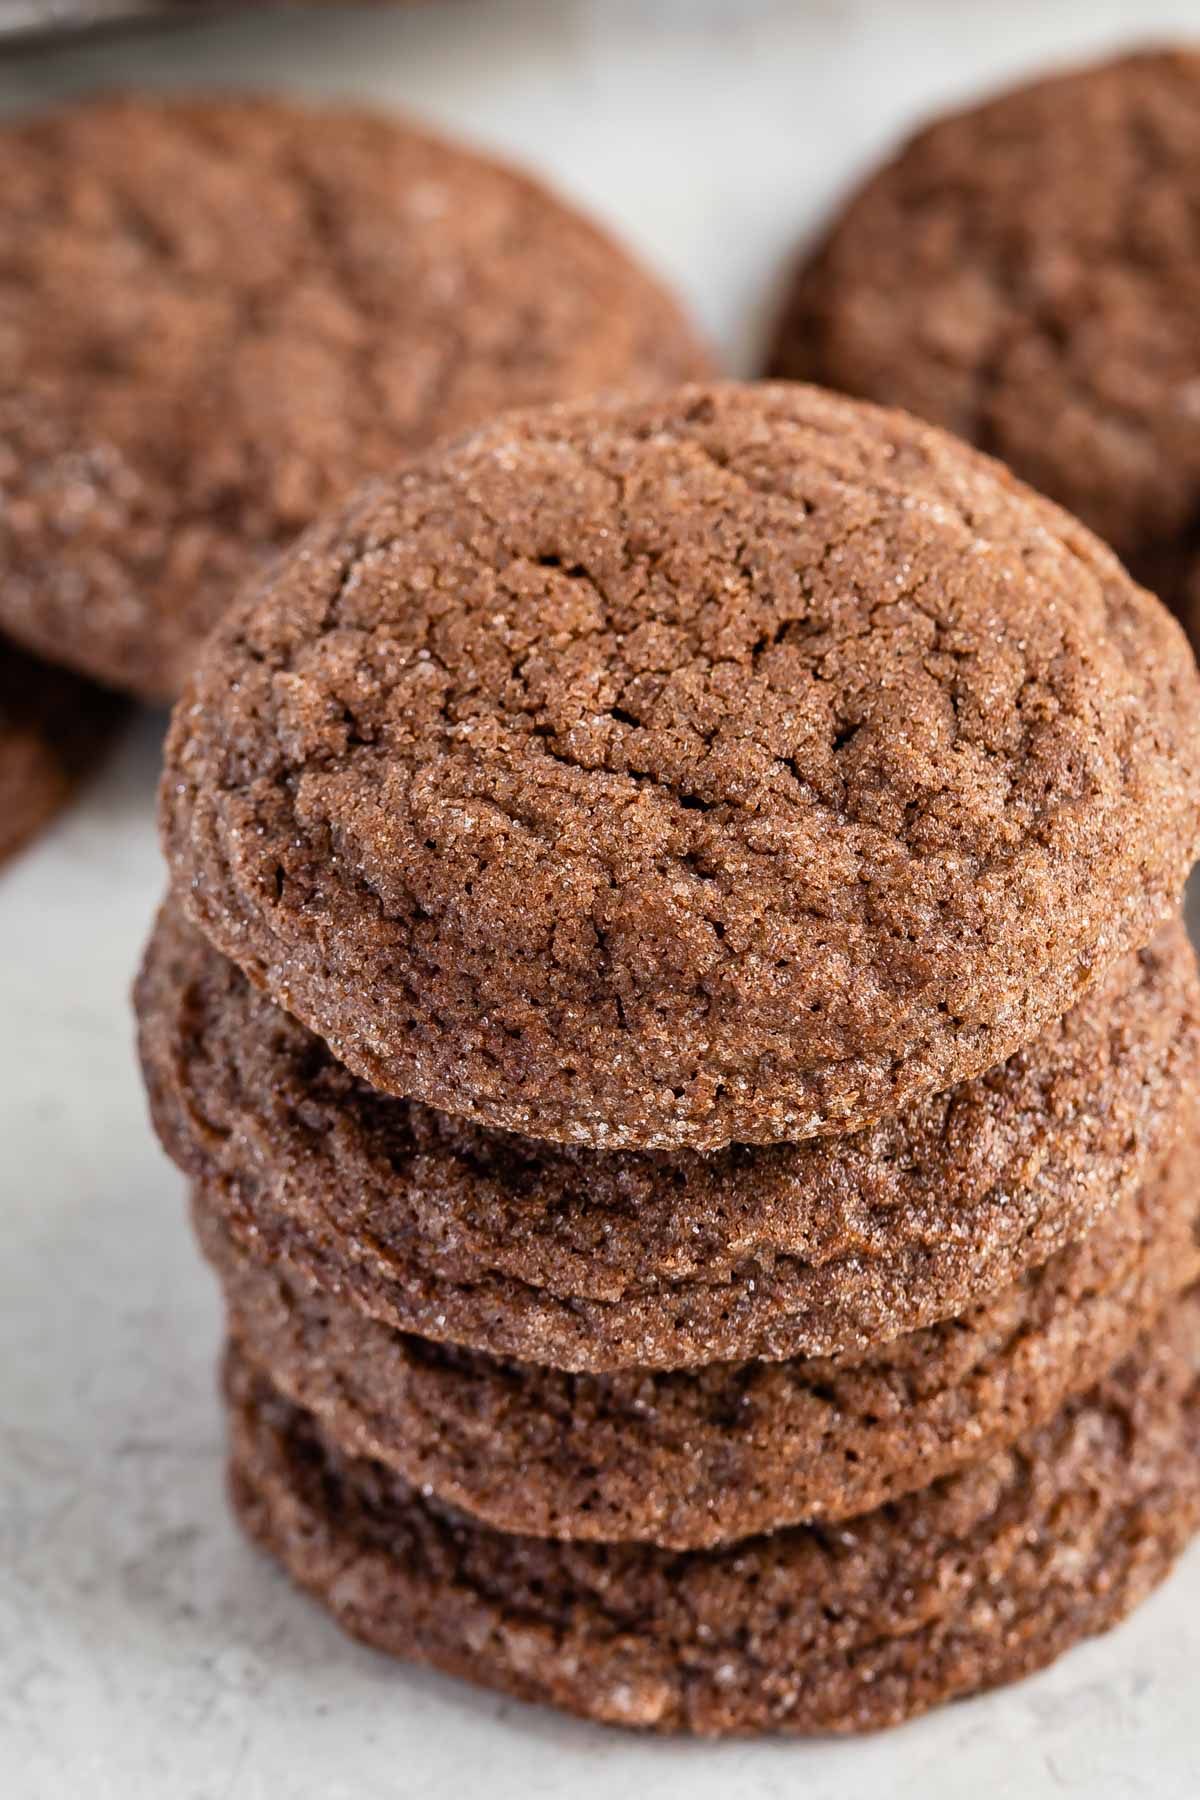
{"points": [[1028, 274], [731, 766], [217, 316]]}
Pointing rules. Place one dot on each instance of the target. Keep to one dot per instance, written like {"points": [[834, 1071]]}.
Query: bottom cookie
{"points": [[52, 727], [978, 1580]]}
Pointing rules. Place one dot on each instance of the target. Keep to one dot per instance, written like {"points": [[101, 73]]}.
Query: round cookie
{"points": [[1026, 273], [218, 315], [703, 1457], [52, 728], [729, 767], [975, 1581], [603, 1260]]}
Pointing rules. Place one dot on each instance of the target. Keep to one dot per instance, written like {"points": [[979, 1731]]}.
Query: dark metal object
{"points": [[23, 21]]}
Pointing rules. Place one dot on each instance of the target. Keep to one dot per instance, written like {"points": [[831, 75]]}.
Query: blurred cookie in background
{"points": [[217, 315], [53, 729], [1027, 274]]}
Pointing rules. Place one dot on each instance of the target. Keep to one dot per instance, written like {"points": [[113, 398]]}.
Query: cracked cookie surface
{"points": [[1026, 274], [606, 1259], [736, 766], [977, 1580], [218, 315]]}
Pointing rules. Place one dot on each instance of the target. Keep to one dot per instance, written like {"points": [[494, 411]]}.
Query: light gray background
{"points": [[145, 1652]]}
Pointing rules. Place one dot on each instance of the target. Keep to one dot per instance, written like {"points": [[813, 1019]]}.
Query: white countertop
{"points": [[145, 1652]]}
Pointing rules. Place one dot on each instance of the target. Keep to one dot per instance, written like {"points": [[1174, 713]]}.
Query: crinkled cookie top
{"points": [[731, 766]]}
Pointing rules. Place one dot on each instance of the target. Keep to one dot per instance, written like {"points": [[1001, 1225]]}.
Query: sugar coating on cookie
{"points": [[1026, 273], [701, 1457], [734, 766], [604, 1260], [977, 1580], [218, 315]]}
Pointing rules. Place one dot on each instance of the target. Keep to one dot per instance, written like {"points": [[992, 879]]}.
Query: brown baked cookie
{"points": [[975, 1581], [736, 766], [707, 1456], [606, 1259], [217, 315], [1027, 274], [53, 727]]}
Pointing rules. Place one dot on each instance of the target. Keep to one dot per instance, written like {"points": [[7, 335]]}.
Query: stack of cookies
{"points": [[673, 1003]]}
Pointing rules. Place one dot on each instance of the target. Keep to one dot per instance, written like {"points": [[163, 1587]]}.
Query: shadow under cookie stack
{"points": [[673, 1003]]}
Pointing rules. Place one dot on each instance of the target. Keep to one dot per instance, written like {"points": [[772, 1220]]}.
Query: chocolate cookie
{"points": [[607, 1259], [707, 1456], [217, 315], [52, 729], [977, 1580], [736, 766], [1027, 274]]}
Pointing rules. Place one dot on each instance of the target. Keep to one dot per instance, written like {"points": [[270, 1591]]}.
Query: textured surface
{"points": [[216, 317], [703, 1457], [53, 728], [975, 1581], [731, 767], [144, 1646], [604, 1259], [1027, 274]]}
